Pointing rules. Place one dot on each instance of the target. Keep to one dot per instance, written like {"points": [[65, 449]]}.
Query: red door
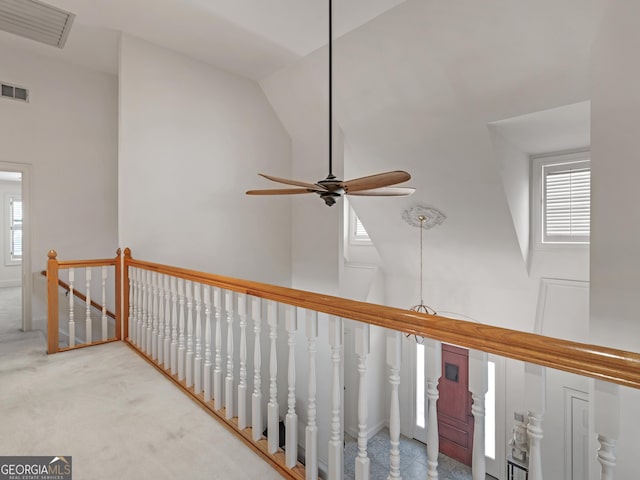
{"points": [[455, 421]]}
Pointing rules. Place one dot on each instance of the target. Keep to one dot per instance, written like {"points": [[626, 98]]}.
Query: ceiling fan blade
{"points": [[280, 191], [286, 181], [384, 192], [375, 181]]}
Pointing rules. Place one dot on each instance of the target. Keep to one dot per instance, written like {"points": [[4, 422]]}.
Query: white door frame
{"points": [[25, 170]]}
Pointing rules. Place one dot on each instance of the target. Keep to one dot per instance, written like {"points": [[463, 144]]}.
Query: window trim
{"points": [[538, 162]]}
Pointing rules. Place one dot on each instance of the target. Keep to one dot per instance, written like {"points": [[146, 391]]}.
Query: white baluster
{"points": [[154, 316], [273, 431], [256, 405], [217, 369], [311, 431], [132, 305], [607, 425], [394, 356], [229, 379], [535, 402], [362, 349], [160, 340], [534, 430], [478, 386], [291, 419], [88, 324], [105, 333], [198, 358], [141, 334], [207, 343], [149, 307], [167, 322], [433, 371], [336, 452], [189, 355], [242, 382], [607, 457], [181, 337], [133, 272], [72, 323], [174, 325]]}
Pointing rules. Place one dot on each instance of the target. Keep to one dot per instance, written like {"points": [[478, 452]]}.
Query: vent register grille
{"points": [[15, 92], [36, 20]]}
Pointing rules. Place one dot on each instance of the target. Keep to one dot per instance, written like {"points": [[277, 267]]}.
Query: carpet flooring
{"points": [[117, 417], [113, 413]]}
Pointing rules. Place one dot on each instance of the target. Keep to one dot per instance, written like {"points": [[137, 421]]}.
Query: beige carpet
{"points": [[113, 413]]}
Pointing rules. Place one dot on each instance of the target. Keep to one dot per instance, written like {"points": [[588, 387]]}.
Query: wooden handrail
{"points": [[604, 363], [101, 262], [81, 296]]}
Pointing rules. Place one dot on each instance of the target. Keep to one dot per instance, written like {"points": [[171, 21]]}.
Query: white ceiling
{"points": [[558, 129], [252, 38]]}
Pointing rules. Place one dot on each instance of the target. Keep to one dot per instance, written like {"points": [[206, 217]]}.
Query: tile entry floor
{"points": [[413, 460]]}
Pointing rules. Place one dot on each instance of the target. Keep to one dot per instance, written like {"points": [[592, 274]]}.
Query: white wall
{"points": [[615, 276], [68, 133], [10, 273], [192, 140], [615, 218], [513, 165]]}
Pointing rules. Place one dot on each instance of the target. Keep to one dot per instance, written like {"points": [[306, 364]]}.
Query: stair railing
{"points": [[53, 308], [197, 329]]}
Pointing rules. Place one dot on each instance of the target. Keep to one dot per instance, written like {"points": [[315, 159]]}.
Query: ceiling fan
{"points": [[331, 188]]}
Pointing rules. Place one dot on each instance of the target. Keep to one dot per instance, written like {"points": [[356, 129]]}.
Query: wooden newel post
{"points": [[52, 303], [128, 294], [122, 298]]}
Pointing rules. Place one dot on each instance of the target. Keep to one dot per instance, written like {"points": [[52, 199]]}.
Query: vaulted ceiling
{"points": [[418, 87], [252, 38], [417, 83]]}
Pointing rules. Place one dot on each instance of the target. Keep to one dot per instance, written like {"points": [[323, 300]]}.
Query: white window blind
{"points": [[566, 202], [15, 226], [360, 231], [357, 233]]}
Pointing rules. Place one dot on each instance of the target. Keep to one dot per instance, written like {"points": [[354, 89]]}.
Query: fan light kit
{"points": [[331, 188]]}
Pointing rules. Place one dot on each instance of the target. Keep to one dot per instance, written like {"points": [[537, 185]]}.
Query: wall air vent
{"points": [[36, 20], [15, 92]]}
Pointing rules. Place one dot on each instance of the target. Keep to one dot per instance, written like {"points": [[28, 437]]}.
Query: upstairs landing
{"points": [[113, 413]]}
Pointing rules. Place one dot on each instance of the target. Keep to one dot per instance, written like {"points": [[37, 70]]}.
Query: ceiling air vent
{"points": [[15, 92], [36, 20]]}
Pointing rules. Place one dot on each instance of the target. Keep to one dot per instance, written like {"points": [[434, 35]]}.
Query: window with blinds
{"points": [[566, 202], [357, 233], [360, 232], [15, 228]]}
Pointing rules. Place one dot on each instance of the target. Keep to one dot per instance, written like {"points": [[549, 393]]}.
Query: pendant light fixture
{"points": [[424, 218]]}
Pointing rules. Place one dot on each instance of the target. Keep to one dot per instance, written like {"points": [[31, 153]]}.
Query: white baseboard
{"points": [[371, 431], [323, 468]]}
